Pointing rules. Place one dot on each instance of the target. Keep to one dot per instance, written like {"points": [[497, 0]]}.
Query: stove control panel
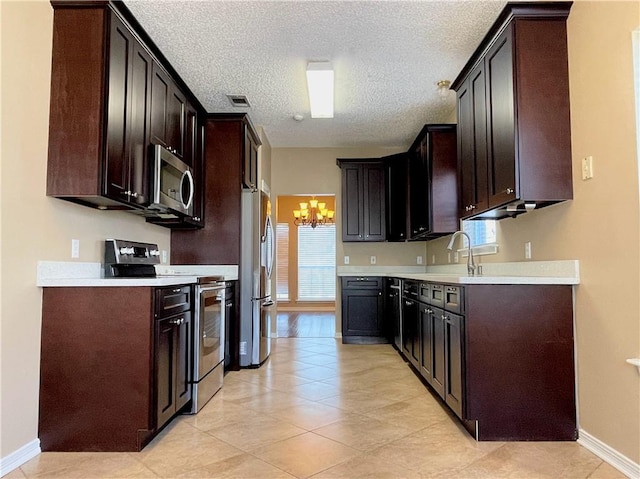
{"points": [[123, 258]]}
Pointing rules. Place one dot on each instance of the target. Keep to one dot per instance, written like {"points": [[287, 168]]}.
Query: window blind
{"points": [[317, 263], [282, 261]]}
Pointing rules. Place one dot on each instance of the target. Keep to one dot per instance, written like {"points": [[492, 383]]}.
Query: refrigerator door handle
{"points": [[261, 298], [268, 304]]}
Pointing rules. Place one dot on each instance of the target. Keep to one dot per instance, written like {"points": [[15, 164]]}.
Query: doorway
{"points": [[305, 271]]}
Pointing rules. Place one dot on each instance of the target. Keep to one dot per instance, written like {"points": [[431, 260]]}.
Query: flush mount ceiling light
{"points": [[443, 88], [320, 86]]}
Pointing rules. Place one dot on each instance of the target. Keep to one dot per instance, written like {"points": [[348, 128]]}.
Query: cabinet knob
{"points": [[379, 293], [367, 236], [509, 191], [134, 194], [359, 236]]}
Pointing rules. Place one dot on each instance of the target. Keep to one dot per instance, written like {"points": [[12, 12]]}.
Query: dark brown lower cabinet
{"points": [[363, 318], [173, 365], [438, 367], [111, 372], [500, 356], [426, 342], [453, 324]]}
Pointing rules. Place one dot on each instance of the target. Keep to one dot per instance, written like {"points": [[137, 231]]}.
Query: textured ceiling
{"points": [[387, 57]]}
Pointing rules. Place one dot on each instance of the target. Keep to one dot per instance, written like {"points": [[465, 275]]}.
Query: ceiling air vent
{"points": [[239, 101]]}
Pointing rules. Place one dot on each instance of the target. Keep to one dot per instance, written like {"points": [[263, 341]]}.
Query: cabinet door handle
{"points": [[177, 322], [177, 290], [508, 191], [379, 293], [408, 303]]}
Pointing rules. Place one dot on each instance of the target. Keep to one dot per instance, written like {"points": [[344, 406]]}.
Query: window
{"points": [[317, 263], [282, 261], [483, 237], [481, 232]]}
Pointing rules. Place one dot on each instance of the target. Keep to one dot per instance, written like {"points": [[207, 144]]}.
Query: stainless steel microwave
{"points": [[172, 184]]}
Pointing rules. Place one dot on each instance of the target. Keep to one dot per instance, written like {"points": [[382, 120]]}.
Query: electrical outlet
{"points": [[419, 260], [75, 248], [455, 257], [243, 348], [346, 260], [587, 168], [448, 257], [527, 250], [373, 260], [165, 256], [433, 259]]}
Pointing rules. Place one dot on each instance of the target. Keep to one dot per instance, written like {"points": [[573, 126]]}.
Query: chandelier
{"points": [[313, 214]]}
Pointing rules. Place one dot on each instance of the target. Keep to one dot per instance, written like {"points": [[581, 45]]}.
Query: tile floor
{"points": [[322, 409]]}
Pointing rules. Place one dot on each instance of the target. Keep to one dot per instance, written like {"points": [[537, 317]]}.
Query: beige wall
{"points": [[600, 227], [35, 227]]}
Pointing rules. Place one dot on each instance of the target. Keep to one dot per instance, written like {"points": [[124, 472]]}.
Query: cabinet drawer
{"points": [[361, 282], [453, 298], [172, 300], [410, 289], [436, 295], [424, 292]]}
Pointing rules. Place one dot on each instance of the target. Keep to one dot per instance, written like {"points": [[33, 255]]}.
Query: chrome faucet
{"points": [[471, 266]]}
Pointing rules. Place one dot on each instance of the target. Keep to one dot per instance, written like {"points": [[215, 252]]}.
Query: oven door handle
{"points": [[209, 288]]}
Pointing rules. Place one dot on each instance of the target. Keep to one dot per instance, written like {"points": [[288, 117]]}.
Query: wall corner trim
{"points": [[19, 457], [608, 454]]}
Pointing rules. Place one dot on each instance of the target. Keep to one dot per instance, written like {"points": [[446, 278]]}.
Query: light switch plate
{"points": [[346, 260], [75, 248], [419, 260], [373, 260], [527, 250], [587, 168]]}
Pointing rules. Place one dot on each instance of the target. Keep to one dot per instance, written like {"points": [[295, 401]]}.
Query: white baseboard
{"points": [[607, 453], [19, 457], [338, 335]]}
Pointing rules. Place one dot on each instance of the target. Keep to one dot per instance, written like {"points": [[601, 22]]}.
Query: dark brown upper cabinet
{"points": [[514, 136], [250, 163], [168, 112], [433, 190], [112, 94], [396, 180], [99, 118], [363, 199]]}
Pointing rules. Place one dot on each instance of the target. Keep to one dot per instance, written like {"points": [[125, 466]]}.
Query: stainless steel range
{"points": [[208, 364], [130, 259]]}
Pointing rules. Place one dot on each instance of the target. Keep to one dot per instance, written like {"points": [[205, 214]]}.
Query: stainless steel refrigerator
{"points": [[256, 265]]}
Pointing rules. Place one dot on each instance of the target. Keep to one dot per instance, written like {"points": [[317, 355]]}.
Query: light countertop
{"points": [[531, 272], [77, 274]]}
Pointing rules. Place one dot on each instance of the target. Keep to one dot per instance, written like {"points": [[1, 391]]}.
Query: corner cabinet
{"points": [[115, 365], [363, 319], [396, 180], [226, 138], [433, 183], [514, 135], [363, 200]]}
